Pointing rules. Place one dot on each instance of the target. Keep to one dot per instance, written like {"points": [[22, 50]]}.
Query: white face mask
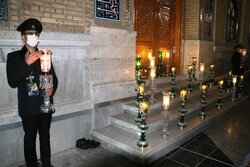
{"points": [[32, 40]]}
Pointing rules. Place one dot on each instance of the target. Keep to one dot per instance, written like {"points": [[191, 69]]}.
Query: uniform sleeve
{"points": [[17, 70], [55, 80]]}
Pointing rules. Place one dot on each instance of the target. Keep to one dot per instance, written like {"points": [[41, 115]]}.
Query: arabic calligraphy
{"points": [[107, 9], [3, 10]]}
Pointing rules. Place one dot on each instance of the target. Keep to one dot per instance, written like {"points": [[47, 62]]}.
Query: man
{"points": [[236, 61], [23, 70]]}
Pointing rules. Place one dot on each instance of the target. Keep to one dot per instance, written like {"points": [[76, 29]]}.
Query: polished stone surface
{"points": [[228, 139], [232, 133]]}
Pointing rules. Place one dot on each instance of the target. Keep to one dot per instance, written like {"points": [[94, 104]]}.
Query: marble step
{"points": [[126, 120], [132, 109], [125, 143]]}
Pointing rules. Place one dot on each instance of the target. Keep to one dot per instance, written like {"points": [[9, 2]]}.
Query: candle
{"points": [[202, 68], [173, 70], [234, 79], [45, 61], [152, 62], [230, 72], [141, 89], [183, 95], [212, 67], [204, 88], [138, 64], [143, 104], [221, 82], [150, 54], [167, 55], [153, 73], [194, 60], [190, 68], [241, 78], [166, 100], [138, 75]]}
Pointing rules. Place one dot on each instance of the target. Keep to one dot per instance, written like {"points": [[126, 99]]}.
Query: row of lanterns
{"points": [[143, 103]]}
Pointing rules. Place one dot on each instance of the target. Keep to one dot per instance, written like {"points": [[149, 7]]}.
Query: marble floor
{"points": [[226, 143]]}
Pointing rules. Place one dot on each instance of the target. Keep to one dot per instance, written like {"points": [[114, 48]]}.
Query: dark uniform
{"points": [[236, 61], [25, 78]]}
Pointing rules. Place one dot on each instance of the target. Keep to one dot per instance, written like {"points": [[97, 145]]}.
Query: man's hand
{"points": [[32, 57], [48, 90]]}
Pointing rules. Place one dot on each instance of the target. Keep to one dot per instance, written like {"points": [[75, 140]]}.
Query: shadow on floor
{"points": [[200, 151]]}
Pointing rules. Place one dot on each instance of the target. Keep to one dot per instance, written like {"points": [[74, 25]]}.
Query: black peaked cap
{"points": [[237, 46], [30, 24]]}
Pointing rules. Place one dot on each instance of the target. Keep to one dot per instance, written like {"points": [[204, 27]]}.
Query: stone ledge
{"points": [[108, 91], [10, 116]]}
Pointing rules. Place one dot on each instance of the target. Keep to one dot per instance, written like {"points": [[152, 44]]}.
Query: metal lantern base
{"points": [[219, 105], [47, 108], [142, 143], [182, 124], [138, 119], [202, 113]]}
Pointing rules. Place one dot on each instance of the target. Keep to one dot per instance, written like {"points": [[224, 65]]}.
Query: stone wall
{"points": [[64, 16], [111, 64], [191, 22], [56, 15]]}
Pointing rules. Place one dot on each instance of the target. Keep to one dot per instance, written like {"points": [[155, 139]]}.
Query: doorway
{"points": [[157, 23]]}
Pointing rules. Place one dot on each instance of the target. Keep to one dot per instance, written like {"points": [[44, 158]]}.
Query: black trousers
{"points": [[31, 126]]}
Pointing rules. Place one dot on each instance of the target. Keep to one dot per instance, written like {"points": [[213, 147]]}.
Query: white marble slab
{"points": [[124, 142]]}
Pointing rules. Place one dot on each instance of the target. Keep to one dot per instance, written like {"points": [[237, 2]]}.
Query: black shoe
{"points": [[88, 144], [48, 165], [93, 144], [80, 142]]}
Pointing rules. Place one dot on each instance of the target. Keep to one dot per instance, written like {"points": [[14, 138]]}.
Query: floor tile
{"points": [[163, 158], [200, 147], [192, 139], [219, 155], [212, 163], [186, 157], [172, 152], [170, 163], [203, 138]]}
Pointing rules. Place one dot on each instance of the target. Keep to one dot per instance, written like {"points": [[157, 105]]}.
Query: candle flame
{"points": [[202, 67], [194, 60], [166, 100], [183, 94], [173, 69], [153, 73], [152, 62], [204, 88], [150, 54], [221, 82], [45, 60], [234, 79]]}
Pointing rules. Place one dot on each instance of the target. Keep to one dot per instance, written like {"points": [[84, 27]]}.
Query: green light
{"points": [[138, 63], [160, 56]]}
